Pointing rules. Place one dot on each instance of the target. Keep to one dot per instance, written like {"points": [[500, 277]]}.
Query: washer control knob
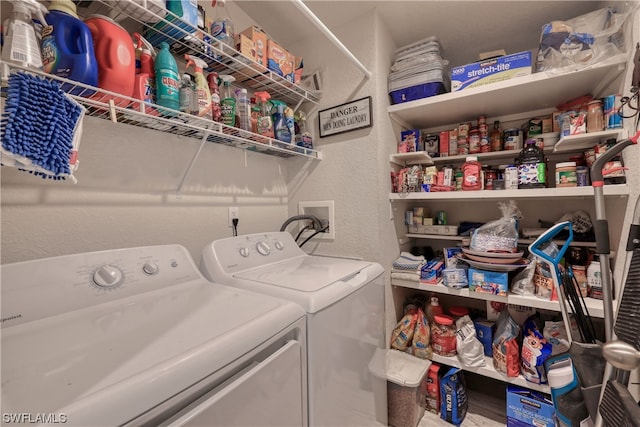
{"points": [[244, 251], [263, 248], [150, 268], [108, 276], [279, 245]]}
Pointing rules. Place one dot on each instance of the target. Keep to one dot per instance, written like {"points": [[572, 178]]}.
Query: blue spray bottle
{"points": [[280, 128]]}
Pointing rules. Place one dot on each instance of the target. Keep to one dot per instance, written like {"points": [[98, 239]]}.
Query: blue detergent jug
{"points": [[67, 48]]}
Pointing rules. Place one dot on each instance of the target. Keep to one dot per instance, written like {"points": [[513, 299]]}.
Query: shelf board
{"points": [[413, 158], [489, 371], [518, 95], [595, 306], [434, 236], [534, 193], [523, 241], [585, 141]]}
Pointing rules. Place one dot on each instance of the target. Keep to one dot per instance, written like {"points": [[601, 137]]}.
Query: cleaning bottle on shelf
{"points": [[228, 103], [265, 121], [303, 136], [255, 114], [145, 83], [222, 26], [532, 168], [67, 47], [280, 128], [167, 81], [187, 94], [243, 107], [290, 122], [21, 46], [472, 174], [216, 112], [202, 88]]}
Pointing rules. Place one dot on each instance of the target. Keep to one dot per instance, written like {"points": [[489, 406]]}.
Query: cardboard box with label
{"points": [[279, 60], [259, 39], [491, 71], [528, 408]]}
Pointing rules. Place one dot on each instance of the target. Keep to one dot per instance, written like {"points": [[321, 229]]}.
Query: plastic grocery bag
{"points": [[470, 350], [500, 235], [582, 41]]}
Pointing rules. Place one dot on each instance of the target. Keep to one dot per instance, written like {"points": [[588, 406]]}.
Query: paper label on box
{"points": [[491, 71]]}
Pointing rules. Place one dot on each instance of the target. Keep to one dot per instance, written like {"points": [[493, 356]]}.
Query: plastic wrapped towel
{"points": [[41, 128]]}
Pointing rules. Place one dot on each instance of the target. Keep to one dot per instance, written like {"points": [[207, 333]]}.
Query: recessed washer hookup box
{"points": [[491, 71]]}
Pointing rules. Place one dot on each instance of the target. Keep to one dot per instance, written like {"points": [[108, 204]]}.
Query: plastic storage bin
{"points": [[406, 385]]}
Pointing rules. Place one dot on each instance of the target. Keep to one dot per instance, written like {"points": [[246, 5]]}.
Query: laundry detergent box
{"points": [[527, 408], [259, 39], [491, 71], [279, 60], [489, 282]]}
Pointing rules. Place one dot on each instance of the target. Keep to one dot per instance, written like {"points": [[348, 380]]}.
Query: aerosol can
{"points": [[21, 45]]}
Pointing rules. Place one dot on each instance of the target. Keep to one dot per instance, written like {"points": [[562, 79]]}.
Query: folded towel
{"points": [[408, 261], [41, 128], [405, 276]]}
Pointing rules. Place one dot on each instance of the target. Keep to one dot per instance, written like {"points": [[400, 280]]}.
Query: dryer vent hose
{"points": [[317, 224]]}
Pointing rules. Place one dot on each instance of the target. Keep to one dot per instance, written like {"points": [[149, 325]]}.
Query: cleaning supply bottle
{"points": [[228, 103], [222, 26], [280, 128], [290, 123], [255, 114], [21, 44], [531, 166], [265, 121], [67, 47], [186, 94], [303, 136], [202, 88], [472, 174], [216, 113], [145, 84], [167, 81], [244, 109]]}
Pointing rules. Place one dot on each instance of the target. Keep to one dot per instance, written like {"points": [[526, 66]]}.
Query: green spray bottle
{"points": [[265, 121], [228, 103]]}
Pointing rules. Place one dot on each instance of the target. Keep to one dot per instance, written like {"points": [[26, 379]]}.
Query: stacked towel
{"points": [[41, 128], [408, 261]]}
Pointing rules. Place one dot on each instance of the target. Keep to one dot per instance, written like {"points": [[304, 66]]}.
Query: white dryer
{"points": [[344, 301], [139, 337]]}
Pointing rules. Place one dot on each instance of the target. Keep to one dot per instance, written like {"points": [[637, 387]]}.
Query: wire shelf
{"points": [[221, 58], [121, 109]]}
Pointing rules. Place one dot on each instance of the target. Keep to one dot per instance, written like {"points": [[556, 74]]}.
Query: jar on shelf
{"points": [[595, 116], [474, 141], [443, 336], [566, 174], [457, 312]]}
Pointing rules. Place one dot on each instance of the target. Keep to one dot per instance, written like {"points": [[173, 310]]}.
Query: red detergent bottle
{"points": [[115, 56], [67, 48]]}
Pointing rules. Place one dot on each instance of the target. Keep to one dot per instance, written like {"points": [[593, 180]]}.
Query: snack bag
{"points": [[403, 332], [535, 350], [453, 397], [470, 349], [556, 334], [506, 353], [421, 343]]}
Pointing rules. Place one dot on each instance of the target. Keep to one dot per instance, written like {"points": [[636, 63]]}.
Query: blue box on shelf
{"points": [[412, 93], [527, 408], [484, 333], [491, 71], [489, 282]]}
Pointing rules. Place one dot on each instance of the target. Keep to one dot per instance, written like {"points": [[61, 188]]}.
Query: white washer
{"points": [[344, 301], [139, 337]]}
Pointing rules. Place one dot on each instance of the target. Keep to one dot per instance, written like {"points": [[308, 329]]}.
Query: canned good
{"points": [[442, 218], [485, 147], [474, 141], [582, 174], [463, 129], [512, 139], [482, 120], [511, 177], [463, 145], [612, 119]]}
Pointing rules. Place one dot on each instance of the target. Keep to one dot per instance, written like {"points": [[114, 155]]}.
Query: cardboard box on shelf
{"points": [[246, 46], [491, 282], [528, 408], [491, 71], [279, 60], [259, 39]]}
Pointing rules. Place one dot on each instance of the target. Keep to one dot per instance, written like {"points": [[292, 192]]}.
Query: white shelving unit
{"points": [[586, 141], [520, 241]]}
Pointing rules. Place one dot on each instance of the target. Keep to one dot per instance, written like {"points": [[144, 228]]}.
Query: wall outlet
{"points": [[233, 214], [324, 211]]}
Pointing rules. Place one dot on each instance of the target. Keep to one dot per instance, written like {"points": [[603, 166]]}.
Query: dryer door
{"points": [[268, 393]]}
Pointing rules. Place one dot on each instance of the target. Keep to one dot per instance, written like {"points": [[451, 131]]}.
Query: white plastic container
{"points": [[406, 385]]}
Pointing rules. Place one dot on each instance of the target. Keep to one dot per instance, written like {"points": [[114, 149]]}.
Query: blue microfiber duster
{"points": [[41, 127]]}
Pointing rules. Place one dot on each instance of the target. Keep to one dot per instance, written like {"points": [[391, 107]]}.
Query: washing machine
{"points": [[344, 302], [138, 337]]}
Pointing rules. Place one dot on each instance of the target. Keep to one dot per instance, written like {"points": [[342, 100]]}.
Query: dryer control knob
{"points": [[279, 245], [108, 276], [263, 248], [150, 268], [244, 251]]}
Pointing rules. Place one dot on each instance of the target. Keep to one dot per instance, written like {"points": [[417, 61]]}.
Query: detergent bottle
{"points": [[228, 103], [243, 107], [222, 27], [280, 128], [202, 88], [167, 81], [265, 121], [21, 44], [216, 112], [145, 83], [290, 122], [67, 47]]}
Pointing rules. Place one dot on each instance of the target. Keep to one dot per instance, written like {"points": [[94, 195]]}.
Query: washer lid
{"points": [[305, 273], [106, 364]]}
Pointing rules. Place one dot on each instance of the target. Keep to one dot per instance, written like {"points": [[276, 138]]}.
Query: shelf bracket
{"points": [[332, 38], [193, 162]]}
